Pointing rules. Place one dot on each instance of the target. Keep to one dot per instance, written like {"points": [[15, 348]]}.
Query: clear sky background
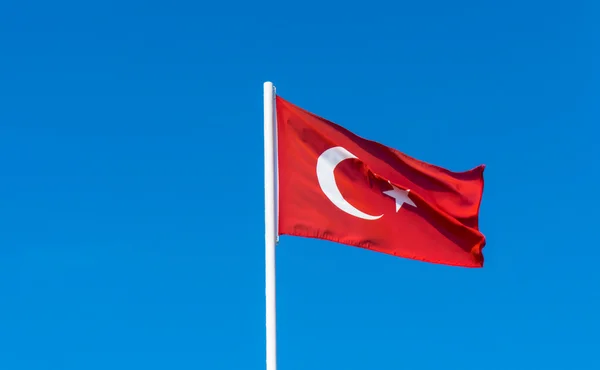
{"points": [[131, 183]]}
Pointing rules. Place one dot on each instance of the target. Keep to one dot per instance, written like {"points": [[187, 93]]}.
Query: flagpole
{"points": [[270, 224]]}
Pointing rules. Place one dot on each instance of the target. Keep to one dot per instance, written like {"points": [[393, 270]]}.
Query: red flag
{"points": [[337, 186]]}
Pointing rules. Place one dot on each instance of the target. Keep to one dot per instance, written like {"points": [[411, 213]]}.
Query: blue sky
{"points": [[131, 183]]}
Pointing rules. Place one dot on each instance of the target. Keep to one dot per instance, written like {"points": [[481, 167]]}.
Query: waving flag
{"points": [[337, 186]]}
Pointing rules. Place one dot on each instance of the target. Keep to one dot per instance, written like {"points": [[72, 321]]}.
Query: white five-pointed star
{"points": [[400, 196]]}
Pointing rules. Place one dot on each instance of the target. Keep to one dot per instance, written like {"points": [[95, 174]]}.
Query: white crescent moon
{"points": [[325, 166]]}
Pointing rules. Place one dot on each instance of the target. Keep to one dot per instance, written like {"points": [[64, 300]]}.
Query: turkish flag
{"points": [[337, 186]]}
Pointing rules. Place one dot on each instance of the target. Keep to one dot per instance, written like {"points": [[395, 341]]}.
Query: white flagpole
{"points": [[270, 224]]}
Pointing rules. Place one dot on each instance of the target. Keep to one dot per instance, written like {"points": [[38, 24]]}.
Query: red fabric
{"points": [[441, 228]]}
